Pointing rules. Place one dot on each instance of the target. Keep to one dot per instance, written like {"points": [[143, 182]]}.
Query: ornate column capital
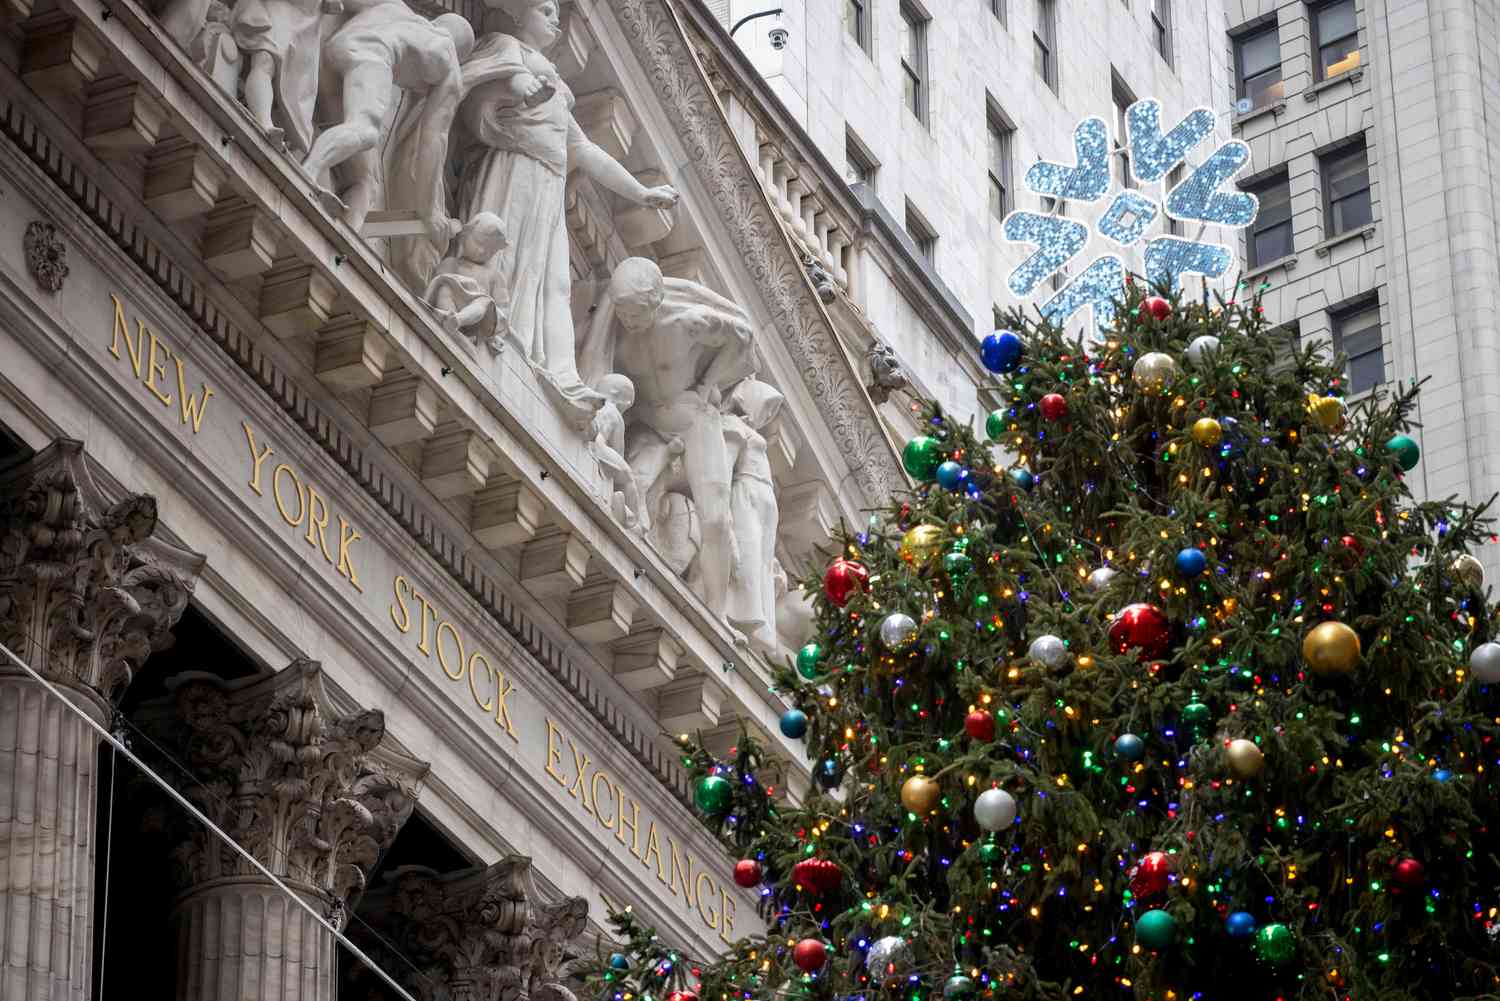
{"points": [[86, 592], [314, 794], [475, 934]]}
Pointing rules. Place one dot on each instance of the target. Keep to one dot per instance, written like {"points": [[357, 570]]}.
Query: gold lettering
{"points": [[594, 791], [193, 407], [276, 492], [554, 753], [726, 902], [348, 536], [458, 641], [710, 917], [123, 330], [633, 823], [426, 608], [503, 688], [653, 847], [686, 871], [477, 659], [317, 528], [581, 764], [256, 457], [403, 623], [155, 368]]}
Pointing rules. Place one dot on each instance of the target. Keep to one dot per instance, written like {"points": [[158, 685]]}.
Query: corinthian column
{"points": [[473, 935], [86, 594], [313, 794]]}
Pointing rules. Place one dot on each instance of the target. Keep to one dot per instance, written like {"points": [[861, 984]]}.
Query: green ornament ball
{"points": [[810, 661], [921, 457], [958, 988], [1405, 450], [957, 565], [990, 853], [1156, 929], [713, 794], [1275, 944], [1197, 716], [994, 424]]}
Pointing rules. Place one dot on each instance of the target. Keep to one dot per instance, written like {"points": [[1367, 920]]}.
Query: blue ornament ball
{"points": [[794, 723], [1130, 747], [1241, 924], [1022, 478], [1191, 562], [951, 475], [1001, 351], [617, 961]]}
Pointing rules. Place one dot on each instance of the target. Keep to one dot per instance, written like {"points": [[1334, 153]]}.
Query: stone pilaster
{"points": [[313, 794], [86, 595], [472, 935]]}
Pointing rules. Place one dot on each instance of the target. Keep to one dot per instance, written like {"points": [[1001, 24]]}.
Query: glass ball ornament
{"points": [[1484, 663], [809, 955], [1143, 627], [1130, 747], [1409, 874], [990, 852], [921, 795], [980, 725], [995, 425], [922, 456], [958, 988], [1053, 407], [1150, 877], [995, 809], [793, 724], [1240, 925], [682, 995], [1156, 307], [958, 566], [1099, 579], [619, 961], [1405, 450], [1022, 478], [951, 475], [1246, 760], [1156, 929], [1153, 372], [713, 794], [1469, 571], [888, 960], [843, 579], [921, 543], [1001, 351], [1199, 347], [1331, 649], [1190, 562], [747, 873], [898, 631], [1049, 651], [828, 773], [1207, 432], [810, 661], [1326, 411], [1197, 717], [1275, 944]]}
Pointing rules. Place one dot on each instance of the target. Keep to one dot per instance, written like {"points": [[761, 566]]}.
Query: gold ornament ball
{"points": [[921, 795], [1469, 571], [1207, 432], [1245, 758], [1331, 648], [1328, 411], [1154, 372], [921, 543]]}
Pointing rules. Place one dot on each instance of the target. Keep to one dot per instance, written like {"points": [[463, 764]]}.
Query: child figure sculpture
{"points": [[465, 292], [608, 447]]}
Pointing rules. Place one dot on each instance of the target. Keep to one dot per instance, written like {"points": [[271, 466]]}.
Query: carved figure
{"points": [[385, 46], [282, 38], [886, 375], [608, 447], [464, 291], [520, 141], [752, 501], [683, 346], [214, 48]]}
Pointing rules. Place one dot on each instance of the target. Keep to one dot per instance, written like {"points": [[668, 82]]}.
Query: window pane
{"points": [[854, 19], [1335, 20], [1366, 371], [1352, 213], [913, 89], [1260, 52], [997, 197], [1271, 244], [1340, 57], [1264, 88], [1041, 58]]}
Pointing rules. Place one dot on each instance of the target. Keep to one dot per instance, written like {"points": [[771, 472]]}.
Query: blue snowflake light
{"points": [[1200, 198]]}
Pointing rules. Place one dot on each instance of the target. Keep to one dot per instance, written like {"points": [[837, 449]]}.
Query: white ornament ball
{"points": [[995, 809], [888, 959], [1154, 372], [1099, 579], [1485, 663], [1049, 651], [897, 631], [1201, 346]]}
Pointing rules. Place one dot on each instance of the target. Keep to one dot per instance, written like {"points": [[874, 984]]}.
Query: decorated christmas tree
{"points": [[1164, 688]]}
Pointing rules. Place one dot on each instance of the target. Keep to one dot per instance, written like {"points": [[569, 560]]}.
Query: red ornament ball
{"points": [[1158, 307], [810, 955], [818, 875], [1141, 626], [683, 995], [747, 873], [980, 725], [1054, 406], [843, 580], [1409, 874], [1151, 875]]}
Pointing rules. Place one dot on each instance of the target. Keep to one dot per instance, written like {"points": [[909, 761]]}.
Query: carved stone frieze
{"points": [[46, 255], [86, 593]]}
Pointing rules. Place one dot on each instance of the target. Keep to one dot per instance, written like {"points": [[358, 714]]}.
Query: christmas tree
{"points": [[1167, 689]]}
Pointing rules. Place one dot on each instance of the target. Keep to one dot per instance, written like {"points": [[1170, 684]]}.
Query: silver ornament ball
{"points": [[995, 809], [1201, 346], [1485, 663], [1048, 651], [1154, 372], [897, 631], [888, 959], [1469, 570], [1099, 579]]}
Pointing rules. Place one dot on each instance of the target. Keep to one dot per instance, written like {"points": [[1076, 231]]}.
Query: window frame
{"points": [[1046, 25], [1120, 94], [923, 236], [1240, 40], [1326, 161], [860, 31], [999, 126], [1161, 24], [1338, 320], [1320, 73], [917, 21], [1175, 176], [857, 154], [1257, 188]]}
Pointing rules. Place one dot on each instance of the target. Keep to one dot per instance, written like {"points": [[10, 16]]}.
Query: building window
{"points": [[859, 165], [1257, 66], [1335, 38], [1001, 133], [1270, 236], [857, 21], [1356, 335], [1174, 178], [923, 235], [1057, 208], [1161, 27], [914, 60], [1123, 100], [1346, 189], [1044, 37], [997, 7]]}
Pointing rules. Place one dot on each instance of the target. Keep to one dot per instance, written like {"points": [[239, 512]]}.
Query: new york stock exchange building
{"points": [[410, 417]]}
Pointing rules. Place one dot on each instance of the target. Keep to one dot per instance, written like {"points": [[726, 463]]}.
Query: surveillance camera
{"points": [[778, 38]]}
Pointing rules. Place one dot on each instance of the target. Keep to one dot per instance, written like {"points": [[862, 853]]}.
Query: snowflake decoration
{"points": [[1129, 214]]}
